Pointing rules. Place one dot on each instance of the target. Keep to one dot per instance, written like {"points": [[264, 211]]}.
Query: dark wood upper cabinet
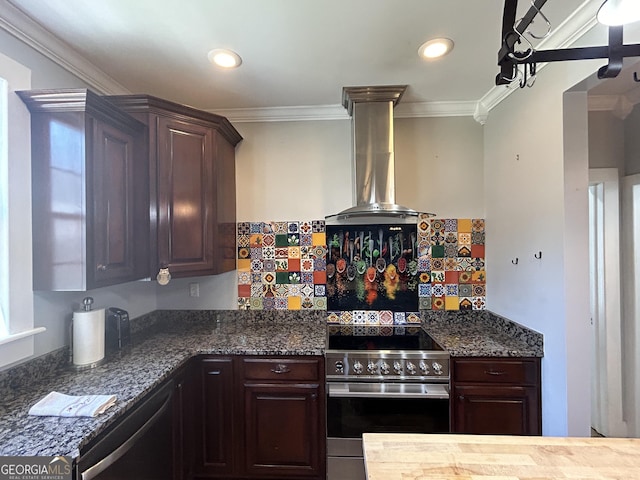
{"points": [[90, 191], [193, 196]]}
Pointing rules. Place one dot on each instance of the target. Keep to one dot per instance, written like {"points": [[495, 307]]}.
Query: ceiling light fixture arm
{"points": [[509, 58]]}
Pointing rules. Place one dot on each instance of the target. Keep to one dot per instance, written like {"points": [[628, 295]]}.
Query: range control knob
{"points": [[424, 368], [437, 368], [339, 366], [372, 368], [397, 367], [411, 368], [385, 368], [357, 367]]}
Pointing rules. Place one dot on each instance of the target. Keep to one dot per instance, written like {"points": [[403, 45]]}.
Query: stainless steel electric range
{"points": [[392, 379]]}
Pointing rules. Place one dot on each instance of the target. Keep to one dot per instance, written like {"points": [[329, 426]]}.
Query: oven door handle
{"points": [[388, 390]]}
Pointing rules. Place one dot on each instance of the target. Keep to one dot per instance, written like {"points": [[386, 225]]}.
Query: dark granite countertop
{"points": [[164, 341], [152, 358], [481, 334]]}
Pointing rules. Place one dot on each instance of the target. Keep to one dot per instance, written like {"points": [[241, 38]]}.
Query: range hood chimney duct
{"points": [[371, 110]]}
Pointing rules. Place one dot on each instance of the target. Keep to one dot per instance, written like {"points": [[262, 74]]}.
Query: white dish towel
{"points": [[60, 405]]}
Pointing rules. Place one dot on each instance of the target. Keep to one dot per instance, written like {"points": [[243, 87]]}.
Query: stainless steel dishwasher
{"points": [[139, 446]]}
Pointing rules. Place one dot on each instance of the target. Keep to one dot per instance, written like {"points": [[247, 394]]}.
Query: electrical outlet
{"points": [[194, 289]]}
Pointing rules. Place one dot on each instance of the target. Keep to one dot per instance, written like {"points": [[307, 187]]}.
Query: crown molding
{"points": [[283, 114], [21, 26], [17, 23]]}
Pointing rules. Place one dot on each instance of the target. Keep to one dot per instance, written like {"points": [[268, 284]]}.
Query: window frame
{"points": [[17, 298]]}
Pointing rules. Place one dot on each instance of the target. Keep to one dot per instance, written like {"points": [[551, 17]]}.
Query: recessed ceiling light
{"points": [[435, 48], [224, 58], [619, 12]]}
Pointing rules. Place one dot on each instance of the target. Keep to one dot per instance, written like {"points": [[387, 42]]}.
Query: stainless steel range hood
{"points": [[371, 110]]}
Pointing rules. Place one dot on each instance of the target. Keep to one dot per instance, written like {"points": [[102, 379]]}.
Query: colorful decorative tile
{"points": [[437, 276], [346, 318], [282, 265], [307, 303], [333, 317], [437, 303], [451, 303], [306, 265], [319, 303], [465, 290], [256, 303], [269, 240], [373, 317], [281, 240], [437, 290], [477, 225], [244, 240], [413, 318], [243, 228], [244, 278], [293, 240], [466, 303], [450, 225], [399, 318], [306, 239], [318, 226], [269, 303], [424, 303], [464, 225], [279, 227], [424, 290], [478, 303], [359, 317], [386, 317], [269, 278]]}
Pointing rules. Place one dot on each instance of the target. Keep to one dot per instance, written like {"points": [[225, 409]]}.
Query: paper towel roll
{"points": [[88, 336]]}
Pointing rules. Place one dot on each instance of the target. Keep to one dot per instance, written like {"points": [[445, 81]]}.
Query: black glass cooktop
{"points": [[381, 338]]}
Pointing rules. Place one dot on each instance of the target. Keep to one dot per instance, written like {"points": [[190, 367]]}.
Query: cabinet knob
{"points": [[163, 276], [280, 368], [460, 397]]}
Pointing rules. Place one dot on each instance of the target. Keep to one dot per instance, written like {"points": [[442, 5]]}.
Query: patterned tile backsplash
{"points": [[283, 266]]}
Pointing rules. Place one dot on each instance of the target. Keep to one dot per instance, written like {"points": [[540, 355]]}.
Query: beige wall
{"points": [[606, 141], [303, 170]]}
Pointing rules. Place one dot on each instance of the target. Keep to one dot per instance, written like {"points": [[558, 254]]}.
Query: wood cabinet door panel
{"points": [[113, 204], [186, 197], [498, 410], [282, 430], [214, 417]]}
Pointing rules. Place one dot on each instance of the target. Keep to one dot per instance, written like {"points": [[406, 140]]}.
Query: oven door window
{"points": [[351, 417]]}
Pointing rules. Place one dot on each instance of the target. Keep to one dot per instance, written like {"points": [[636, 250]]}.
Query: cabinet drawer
{"points": [[514, 371], [281, 369]]}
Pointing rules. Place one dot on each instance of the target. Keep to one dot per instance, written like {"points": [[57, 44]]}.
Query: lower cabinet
{"points": [[499, 396], [258, 417]]}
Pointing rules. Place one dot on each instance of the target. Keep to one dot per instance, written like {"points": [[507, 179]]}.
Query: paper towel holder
{"points": [[87, 306]]}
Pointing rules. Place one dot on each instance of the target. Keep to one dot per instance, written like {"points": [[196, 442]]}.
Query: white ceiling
{"points": [[295, 52]]}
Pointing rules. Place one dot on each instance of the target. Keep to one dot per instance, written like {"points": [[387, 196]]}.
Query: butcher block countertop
{"points": [[483, 457]]}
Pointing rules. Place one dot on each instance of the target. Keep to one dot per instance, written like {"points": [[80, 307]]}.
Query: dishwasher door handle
{"points": [[95, 470]]}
